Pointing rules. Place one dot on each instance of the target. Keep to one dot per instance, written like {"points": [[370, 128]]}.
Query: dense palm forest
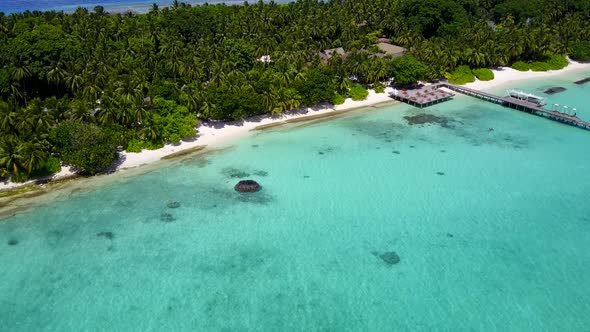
{"points": [[75, 86]]}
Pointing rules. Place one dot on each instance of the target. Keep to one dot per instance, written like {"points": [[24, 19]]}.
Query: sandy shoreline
{"points": [[217, 134], [505, 75]]}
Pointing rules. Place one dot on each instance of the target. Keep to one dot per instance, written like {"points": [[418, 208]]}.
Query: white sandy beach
{"points": [[217, 134], [506, 75]]}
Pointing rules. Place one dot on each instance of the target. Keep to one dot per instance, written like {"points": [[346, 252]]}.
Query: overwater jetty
{"points": [[423, 96], [523, 102], [516, 100]]}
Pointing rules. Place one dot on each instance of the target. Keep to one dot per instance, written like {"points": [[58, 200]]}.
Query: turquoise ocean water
{"points": [[492, 230]]}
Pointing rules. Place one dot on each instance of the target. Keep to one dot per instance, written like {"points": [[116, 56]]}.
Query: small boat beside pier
{"points": [[433, 94], [525, 102]]}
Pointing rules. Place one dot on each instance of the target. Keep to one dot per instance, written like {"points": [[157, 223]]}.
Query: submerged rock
{"points": [[167, 217], [108, 235], [261, 173], [247, 186], [173, 205], [554, 90], [425, 118], [389, 257], [235, 173]]}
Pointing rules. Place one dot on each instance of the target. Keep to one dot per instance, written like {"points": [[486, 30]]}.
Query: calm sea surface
{"points": [[14, 6], [492, 230]]}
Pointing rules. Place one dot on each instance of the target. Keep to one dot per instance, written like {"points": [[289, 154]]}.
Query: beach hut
{"points": [[393, 50]]}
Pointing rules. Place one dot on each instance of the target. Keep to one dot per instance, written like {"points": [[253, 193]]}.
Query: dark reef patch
{"points": [[449, 235], [395, 151], [440, 173], [107, 235], [244, 260], [554, 90], [255, 198], [388, 257], [12, 242], [167, 217], [385, 131], [254, 145], [260, 173], [426, 118], [234, 173], [306, 176], [326, 149], [199, 162], [173, 205], [443, 151], [479, 136]]}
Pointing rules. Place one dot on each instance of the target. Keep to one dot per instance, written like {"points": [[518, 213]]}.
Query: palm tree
{"points": [[56, 75], [32, 155], [20, 73], [155, 9], [10, 153], [140, 114], [7, 118], [74, 81], [207, 109]]}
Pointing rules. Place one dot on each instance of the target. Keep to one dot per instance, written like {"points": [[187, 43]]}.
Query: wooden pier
{"points": [[423, 96], [520, 105]]}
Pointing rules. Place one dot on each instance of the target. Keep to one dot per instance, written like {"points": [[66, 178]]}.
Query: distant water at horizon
{"points": [[492, 231], [141, 6]]}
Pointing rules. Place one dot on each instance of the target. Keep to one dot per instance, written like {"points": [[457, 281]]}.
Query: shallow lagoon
{"points": [[492, 230]]}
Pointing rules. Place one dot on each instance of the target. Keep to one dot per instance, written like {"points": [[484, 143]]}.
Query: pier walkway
{"points": [[520, 105]]}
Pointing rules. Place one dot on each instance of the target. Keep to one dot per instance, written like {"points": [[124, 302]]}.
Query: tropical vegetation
{"points": [[483, 74], [74, 87]]}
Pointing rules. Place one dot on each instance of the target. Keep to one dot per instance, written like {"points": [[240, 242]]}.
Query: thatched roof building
{"points": [[389, 49]]}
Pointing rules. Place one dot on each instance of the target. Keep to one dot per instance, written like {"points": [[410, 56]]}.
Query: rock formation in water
{"points": [[173, 205], [389, 257], [554, 90], [167, 217], [424, 118], [247, 186], [108, 235], [233, 173]]}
